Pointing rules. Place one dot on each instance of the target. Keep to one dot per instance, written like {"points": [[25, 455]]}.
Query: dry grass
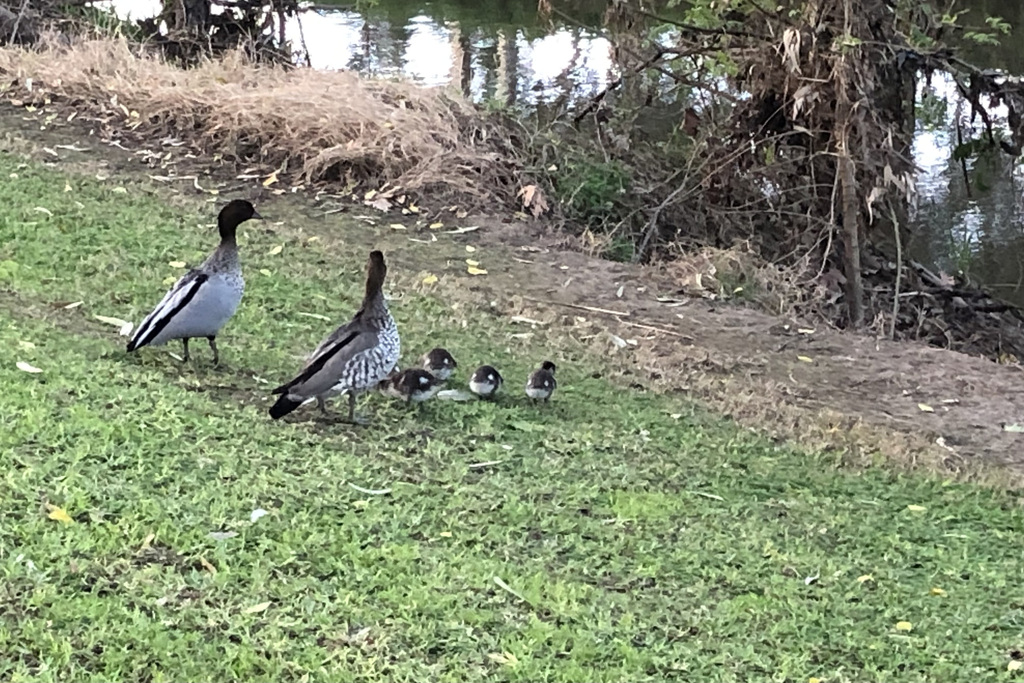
{"points": [[323, 125]]}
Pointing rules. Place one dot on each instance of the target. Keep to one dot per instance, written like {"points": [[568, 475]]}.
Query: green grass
{"points": [[642, 540]]}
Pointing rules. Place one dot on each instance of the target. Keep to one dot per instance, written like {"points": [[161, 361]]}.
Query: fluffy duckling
{"points": [[412, 385], [485, 381], [352, 359], [541, 383], [439, 363], [203, 300]]}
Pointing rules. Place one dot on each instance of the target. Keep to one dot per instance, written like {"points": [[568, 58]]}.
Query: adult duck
{"points": [[352, 359], [203, 300]]}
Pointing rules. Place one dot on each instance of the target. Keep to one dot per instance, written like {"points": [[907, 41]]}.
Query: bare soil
{"points": [[867, 400]]}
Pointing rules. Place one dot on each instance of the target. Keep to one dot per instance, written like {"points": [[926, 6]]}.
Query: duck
{"points": [[439, 363], [352, 359], [485, 381], [413, 385], [541, 383], [204, 299]]}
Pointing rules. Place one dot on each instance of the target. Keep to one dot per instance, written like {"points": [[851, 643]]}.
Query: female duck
{"points": [[353, 358], [205, 298]]}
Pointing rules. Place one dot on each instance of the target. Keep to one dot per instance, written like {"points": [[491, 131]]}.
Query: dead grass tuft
{"points": [[320, 125], [737, 273]]}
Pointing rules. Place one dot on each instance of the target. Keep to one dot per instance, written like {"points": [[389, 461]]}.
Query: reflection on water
{"points": [[497, 61], [500, 50]]}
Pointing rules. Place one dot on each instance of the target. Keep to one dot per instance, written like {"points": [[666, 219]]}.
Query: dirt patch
{"points": [[824, 389]]}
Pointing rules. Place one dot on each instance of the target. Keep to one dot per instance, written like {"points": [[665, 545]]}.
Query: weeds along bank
{"points": [[306, 126]]}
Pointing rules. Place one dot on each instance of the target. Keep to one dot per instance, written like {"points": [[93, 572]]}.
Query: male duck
{"points": [[439, 363], [541, 383], [485, 381], [353, 358], [204, 299]]}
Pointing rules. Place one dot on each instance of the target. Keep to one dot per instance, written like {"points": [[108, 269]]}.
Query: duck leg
{"points": [[321, 404], [184, 345], [213, 347], [352, 417]]}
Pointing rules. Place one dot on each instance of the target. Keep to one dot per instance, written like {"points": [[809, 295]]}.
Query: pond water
{"points": [[501, 50]]}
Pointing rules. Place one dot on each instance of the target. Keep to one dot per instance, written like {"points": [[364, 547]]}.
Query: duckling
{"points": [[541, 383], [352, 359], [439, 363], [412, 385], [203, 300], [485, 381]]}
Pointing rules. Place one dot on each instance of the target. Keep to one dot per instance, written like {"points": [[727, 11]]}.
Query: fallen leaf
{"points": [[804, 330], [1014, 665], [506, 658], [864, 578], [446, 534], [206, 565], [1016, 428], [397, 226], [256, 514], [314, 315], [938, 591], [470, 248], [43, 209], [264, 271], [473, 270], [916, 508], [435, 226], [370, 492], [271, 179], [925, 408], [277, 249], [67, 187], [430, 279], [176, 264], [471, 262], [813, 680], [805, 359], [904, 626], [222, 535], [25, 367], [73, 304], [117, 322], [58, 514], [256, 609], [27, 345]]}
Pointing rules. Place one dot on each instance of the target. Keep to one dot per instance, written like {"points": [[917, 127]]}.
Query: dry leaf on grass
{"points": [[58, 514], [25, 367], [256, 609]]}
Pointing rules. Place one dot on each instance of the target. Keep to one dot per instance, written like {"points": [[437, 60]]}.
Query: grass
{"points": [[623, 536]]}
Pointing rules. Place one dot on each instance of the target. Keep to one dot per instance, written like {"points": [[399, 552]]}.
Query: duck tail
{"points": [[284, 405]]}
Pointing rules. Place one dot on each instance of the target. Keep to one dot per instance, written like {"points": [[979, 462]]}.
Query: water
{"points": [[501, 50]]}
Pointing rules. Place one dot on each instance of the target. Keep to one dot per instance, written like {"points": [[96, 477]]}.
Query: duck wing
{"points": [[327, 365], [175, 300]]}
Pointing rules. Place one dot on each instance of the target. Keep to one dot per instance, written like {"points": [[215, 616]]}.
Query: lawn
{"points": [[613, 535]]}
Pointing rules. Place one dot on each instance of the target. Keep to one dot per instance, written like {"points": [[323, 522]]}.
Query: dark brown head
{"points": [[236, 212], [549, 366], [376, 271]]}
